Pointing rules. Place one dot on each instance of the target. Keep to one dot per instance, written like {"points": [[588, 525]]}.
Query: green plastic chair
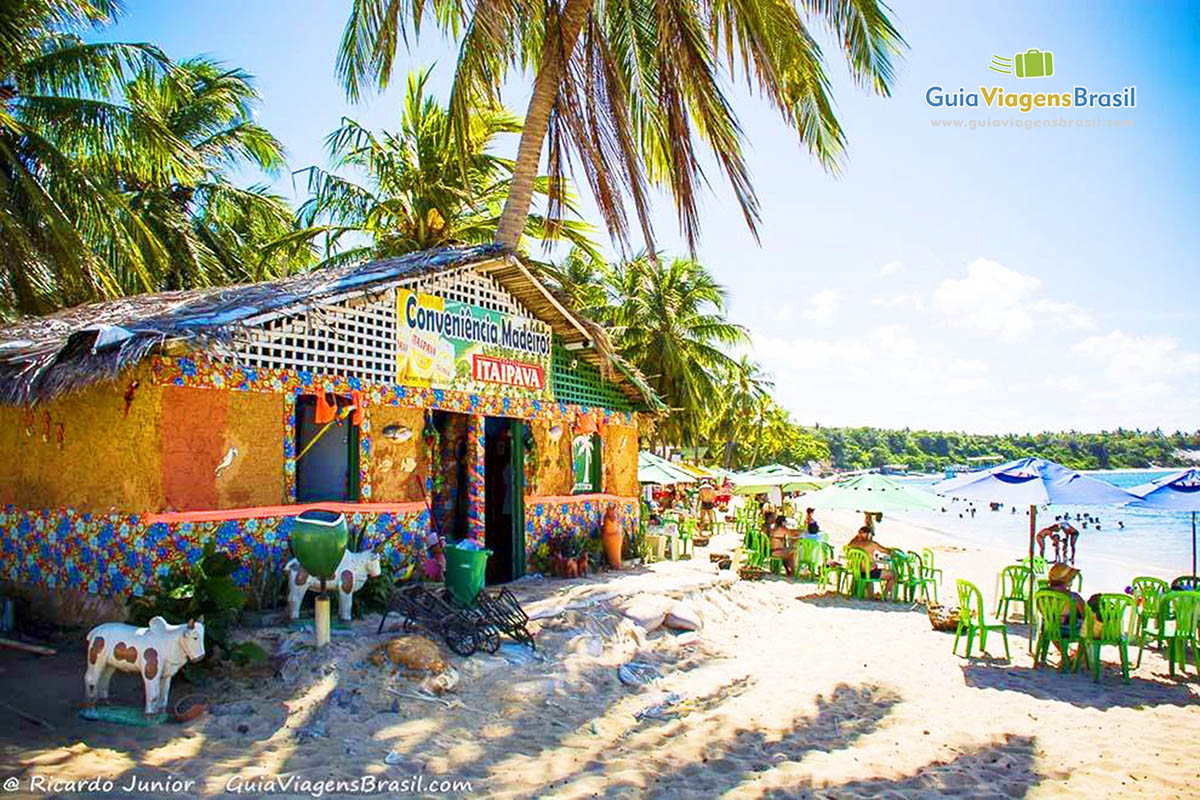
{"points": [[687, 532], [835, 574], [1113, 624], [971, 619], [1052, 608], [904, 578], [1181, 611], [1041, 567], [1186, 583], [1147, 599], [928, 566], [923, 575], [810, 557], [1014, 588], [858, 565]]}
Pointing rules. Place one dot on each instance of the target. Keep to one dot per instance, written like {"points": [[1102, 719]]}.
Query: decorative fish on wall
{"points": [[397, 433]]}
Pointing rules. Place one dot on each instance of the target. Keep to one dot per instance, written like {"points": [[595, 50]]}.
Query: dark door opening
{"points": [[450, 492], [326, 453], [504, 499]]}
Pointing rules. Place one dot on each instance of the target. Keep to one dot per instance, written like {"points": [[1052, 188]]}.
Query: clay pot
{"points": [[612, 537]]}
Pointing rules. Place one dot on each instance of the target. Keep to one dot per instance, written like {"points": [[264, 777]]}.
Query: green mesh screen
{"points": [[583, 385]]}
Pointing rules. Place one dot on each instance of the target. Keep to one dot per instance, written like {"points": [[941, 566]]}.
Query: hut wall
{"points": [[619, 460], [221, 449], [88, 450], [578, 515], [397, 469], [552, 475], [116, 554]]}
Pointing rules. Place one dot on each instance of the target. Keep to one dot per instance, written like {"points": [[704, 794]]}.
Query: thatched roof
{"points": [[44, 357]]}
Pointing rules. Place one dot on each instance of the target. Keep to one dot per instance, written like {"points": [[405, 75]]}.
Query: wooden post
{"points": [[321, 619], [1030, 611]]}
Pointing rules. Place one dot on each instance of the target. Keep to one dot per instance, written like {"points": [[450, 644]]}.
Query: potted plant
{"points": [[567, 559]]}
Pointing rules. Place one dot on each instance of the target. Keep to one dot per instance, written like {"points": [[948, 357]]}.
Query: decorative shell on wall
{"points": [[397, 433], [555, 433], [386, 464], [408, 464]]}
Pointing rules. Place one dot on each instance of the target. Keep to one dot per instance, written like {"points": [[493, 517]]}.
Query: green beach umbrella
{"points": [[790, 481], [871, 492], [656, 469]]}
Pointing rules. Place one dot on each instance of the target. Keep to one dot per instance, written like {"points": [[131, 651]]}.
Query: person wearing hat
{"points": [[1060, 579]]}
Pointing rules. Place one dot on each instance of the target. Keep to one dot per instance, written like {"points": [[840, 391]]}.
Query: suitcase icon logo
{"points": [[1033, 63]]}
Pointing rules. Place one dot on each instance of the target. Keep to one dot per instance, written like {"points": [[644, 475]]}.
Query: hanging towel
{"points": [[326, 411], [359, 402]]}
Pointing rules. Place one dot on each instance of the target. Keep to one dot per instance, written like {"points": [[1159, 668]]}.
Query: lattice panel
{"points": [[471, 287], [355, 338], [583, 384]]}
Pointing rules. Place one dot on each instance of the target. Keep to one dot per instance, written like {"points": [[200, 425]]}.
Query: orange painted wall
{"points": [[254, 430], [553, 472], [619, 460], [83, 451]]}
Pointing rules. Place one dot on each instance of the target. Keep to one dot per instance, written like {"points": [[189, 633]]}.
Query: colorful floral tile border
{"points": [[581, 515], [120, 554]]}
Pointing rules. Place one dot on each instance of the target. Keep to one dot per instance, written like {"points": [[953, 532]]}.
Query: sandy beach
{"points": [[782, 693]]}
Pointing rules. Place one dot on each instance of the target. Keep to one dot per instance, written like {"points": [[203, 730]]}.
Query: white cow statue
{"points": [[156, 653], [352, 572]]}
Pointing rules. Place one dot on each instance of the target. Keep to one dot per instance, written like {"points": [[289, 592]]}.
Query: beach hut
{"points": [[441, 395]]}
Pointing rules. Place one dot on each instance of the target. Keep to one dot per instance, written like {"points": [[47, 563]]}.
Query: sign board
{"points": [[447, 344]]}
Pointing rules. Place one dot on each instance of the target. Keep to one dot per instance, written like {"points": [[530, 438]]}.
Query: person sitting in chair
{"points": [[865, 540], [812, 528], [1060, 579], [775, 527]]}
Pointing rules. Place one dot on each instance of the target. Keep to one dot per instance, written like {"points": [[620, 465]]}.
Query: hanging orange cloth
{"points": [[359, 402], [326, 411], [585, 424]]}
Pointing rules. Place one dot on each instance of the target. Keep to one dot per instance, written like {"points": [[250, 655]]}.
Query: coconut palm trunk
{"points": [[555, 55]]}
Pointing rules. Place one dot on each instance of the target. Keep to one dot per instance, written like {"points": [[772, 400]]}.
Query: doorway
{"points": [[450, 500], [327, 452], [504, 498]]}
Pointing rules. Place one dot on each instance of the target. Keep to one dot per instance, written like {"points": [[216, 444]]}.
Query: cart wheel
{"points": [[461, 638], [491, 641]]}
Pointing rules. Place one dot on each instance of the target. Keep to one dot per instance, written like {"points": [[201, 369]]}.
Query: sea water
{"points": [[1151, 542]]}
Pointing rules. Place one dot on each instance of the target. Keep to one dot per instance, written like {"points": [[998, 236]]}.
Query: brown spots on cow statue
{"points": [[155, 652]]}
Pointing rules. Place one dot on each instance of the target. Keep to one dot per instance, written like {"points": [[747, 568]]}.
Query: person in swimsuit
{"points": [[708, 503], [775, 527]]}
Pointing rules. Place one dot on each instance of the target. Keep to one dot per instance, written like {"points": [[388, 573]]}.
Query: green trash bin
{"points": [[465, 569]]}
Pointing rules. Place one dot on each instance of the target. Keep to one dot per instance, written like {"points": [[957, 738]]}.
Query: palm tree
{"points": [[579, 278], [668, 319], [630, 88], [214, 231], [746, 388], [67, 235], [417, 193]]}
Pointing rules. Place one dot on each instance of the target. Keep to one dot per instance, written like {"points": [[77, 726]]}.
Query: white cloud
{"points": [[991, 297], [1139, 359], [1066, 315], [890, 268], [998, 300], [823, 307], [903, 300]]}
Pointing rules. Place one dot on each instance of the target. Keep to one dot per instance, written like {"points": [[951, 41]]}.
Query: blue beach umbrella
{"points": [[1179, 491], [1033, 481]]}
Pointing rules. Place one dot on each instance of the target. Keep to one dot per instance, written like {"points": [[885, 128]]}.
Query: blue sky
{"points": [[990, 280]]}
